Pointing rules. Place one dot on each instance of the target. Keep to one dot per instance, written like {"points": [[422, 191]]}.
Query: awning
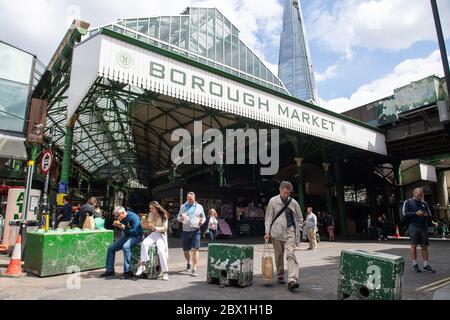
{"points": [[12, 147], [120, 59]]}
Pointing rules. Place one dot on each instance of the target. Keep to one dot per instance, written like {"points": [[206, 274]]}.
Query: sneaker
{"points": [[188, 267], [108, 274], [429, 269], [416, 268], [165, 277], [293, 285], [281, 280], [194, 273], [140, 270]]}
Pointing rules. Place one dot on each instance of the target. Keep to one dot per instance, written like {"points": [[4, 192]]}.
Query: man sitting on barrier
{"points": [[130, 224]]}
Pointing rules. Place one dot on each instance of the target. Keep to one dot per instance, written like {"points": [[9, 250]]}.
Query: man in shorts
{"points": [[192, 216], [417, 213]]}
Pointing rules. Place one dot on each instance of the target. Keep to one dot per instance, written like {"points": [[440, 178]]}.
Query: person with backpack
{"points": [[417, 214], [282, 225]]}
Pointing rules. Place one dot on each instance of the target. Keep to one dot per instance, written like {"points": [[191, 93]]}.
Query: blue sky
{"points": [[361, 49], [394, 41]]}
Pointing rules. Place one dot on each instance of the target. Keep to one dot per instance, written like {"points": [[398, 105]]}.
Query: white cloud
{"points": [[39, 25], [404, 73], [373, 24], [330, 73]]}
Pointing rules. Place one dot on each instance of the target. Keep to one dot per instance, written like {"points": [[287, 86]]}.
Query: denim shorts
{"points": [[191, 240], [418, 236]]}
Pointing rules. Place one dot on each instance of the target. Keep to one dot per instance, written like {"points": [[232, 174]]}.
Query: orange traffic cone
{"points": [[397, 233], [15, 264]]}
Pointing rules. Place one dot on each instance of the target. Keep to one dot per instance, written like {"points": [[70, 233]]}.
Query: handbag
{"points": [[89, 223], [267, 264]]}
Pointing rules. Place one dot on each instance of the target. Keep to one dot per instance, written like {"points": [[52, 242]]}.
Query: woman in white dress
{"points": [[159, 225]]}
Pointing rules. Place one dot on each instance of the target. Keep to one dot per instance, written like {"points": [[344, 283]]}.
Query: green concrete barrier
{"points": [[53, 252], [370, 275], [230, 264], [152, 267]]}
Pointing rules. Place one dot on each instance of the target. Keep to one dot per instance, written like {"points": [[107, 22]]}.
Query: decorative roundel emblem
{"points": [[124, 60]]}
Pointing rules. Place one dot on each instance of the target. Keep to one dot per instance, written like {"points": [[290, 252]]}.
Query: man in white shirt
{"points": [[192, 216], [311, 228]]}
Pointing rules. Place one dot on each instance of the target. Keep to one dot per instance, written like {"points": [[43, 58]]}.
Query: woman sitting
{"points": [[159, 222]]}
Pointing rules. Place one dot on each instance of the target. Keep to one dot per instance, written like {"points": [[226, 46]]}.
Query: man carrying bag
{"points": [[282, 223]]}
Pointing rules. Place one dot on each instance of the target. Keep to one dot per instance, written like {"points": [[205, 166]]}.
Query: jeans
{"points": [[125, 244], [212, 236]]}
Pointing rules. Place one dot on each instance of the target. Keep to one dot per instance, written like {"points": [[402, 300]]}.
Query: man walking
{"points": [[282, 224], [417, 213], [130, 224], [311, 228], [192, 216]]}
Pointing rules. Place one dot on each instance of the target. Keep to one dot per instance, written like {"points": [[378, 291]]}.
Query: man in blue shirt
{"points": [[130, 224], [417, 213], [65, 218]]}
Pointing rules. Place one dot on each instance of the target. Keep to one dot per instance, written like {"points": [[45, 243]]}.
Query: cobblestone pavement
{"points": [[318, 277]]}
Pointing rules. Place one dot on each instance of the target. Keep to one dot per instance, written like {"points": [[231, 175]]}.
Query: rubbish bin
{"points": [[370, 275], [230, 264]]}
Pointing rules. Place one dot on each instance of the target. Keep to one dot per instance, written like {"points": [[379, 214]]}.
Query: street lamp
{"points": [[440, 34]]}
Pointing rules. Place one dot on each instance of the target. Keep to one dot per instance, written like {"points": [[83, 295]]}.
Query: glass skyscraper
{"points": [[295, 65]]}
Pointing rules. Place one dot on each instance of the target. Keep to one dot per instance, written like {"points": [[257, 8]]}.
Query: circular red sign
{"points": [[46, 162]]}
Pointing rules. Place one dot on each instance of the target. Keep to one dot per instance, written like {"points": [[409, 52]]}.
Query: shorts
{"points": [[191, 239], [418, 236]]}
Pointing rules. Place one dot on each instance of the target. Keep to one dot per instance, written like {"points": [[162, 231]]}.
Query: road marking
{"points": [[435, 285]]}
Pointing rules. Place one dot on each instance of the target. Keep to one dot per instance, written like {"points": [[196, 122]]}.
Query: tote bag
{"points": [[267, 264], [89, 223]]}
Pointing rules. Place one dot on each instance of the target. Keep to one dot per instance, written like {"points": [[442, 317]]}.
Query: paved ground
{"points": [[319, 271]]}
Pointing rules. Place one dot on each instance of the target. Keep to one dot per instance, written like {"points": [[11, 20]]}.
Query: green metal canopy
{"points": [[122, 121]]}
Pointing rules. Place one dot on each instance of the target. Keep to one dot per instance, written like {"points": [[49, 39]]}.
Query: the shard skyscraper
{"points": [[295, 65]]}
